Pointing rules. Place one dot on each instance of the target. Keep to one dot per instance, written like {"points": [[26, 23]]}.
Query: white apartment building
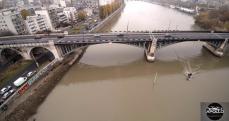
{"points": [[70, 13], [62, 18], [49, 16], [36, 23], [31, 23], [12, 22]]}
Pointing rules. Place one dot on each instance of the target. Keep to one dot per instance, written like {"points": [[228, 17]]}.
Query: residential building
{"points": [[62, 18], [54, 16], [50, 17], [36, 23], [81, 4], [70, 13], [12, 21]]}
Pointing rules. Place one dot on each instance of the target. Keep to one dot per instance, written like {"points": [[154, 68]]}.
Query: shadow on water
{"points": [[205, 59]]}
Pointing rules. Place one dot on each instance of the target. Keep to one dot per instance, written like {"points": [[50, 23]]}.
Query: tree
{"points": [[226, 25], [82, 15], [25, 13]]}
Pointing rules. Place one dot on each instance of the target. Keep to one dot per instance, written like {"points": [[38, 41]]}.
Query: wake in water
{"points": [[155, 79], [189, 71]]}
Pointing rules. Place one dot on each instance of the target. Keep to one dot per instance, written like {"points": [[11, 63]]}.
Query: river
{"points": [[113, 82]]}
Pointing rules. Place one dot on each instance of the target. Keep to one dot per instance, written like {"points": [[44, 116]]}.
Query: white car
{"points": [[31, 73], [5, 89], [7, 94]]}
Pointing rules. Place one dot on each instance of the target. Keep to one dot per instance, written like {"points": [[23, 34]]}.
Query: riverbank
{"points": [[217, 20], [107, 20], [27, 104], [12, 71]]}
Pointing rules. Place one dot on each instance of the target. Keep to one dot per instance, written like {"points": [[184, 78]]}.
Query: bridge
{"points": [[60, 45]]}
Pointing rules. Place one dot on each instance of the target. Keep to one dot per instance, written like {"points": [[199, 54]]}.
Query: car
{"points": [[31, 73], [37, 37], [7, 94], [96, 36], [5, 89], [167, 35], [120, 35], [60, 35], [12, 91]]}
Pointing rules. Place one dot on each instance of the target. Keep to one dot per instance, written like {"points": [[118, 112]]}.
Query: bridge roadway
{"points": [[117, 37]]}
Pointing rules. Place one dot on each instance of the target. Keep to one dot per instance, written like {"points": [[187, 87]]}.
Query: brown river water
{"points": [[113, 82]]}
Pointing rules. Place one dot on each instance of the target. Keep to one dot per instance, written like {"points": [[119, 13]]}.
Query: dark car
{"points": [[120, 35], [167, 35]]}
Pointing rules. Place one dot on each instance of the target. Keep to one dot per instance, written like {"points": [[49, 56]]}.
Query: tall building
{"points": [[70, 13], [12, 22], [50, 17], [36, 23], [9, 3], [54, 16], [62, 18], [81, 4]]}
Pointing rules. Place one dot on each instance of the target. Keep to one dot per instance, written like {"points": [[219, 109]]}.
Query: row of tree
{"points": [[214, 19], [106, 10]]}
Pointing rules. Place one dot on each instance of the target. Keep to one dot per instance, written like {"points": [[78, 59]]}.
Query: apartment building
{"points": [[12, 21], [50, 16], [36, 23], [70, 13]]}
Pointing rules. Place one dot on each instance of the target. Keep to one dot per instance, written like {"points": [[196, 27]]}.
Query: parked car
{"points": [[120, 35], [5, 89], [167, 35], [31, 73], [12, 91], [7, 94], [97, 36]]}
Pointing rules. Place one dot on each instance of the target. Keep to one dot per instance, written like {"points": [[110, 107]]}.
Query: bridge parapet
{"points": [[23, 45]]}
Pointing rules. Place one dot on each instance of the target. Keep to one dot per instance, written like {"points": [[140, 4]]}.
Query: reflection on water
{"points": [[113, 82], [158, 18], [106, 54]]}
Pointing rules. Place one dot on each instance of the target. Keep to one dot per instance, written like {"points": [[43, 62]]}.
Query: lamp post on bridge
{"points": [[37, 64]]}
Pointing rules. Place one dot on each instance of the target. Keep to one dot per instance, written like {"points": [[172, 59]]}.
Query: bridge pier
{"points": [[25, 53], [219, 52], [54, 50], [150, 52]]}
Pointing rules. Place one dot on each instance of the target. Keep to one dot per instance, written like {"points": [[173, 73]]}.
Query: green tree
{"points": [[226, 25], [25, 13], [82, 15]]}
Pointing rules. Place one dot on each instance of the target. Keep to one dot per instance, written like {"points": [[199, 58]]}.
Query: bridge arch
{"points": [[41, 54], [7, 54]]}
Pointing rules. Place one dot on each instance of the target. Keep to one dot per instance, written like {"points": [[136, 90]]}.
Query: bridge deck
{"points": [[116, 37]]}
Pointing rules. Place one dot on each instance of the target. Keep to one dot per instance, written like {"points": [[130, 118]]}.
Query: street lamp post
{"points": [[37, 64]]}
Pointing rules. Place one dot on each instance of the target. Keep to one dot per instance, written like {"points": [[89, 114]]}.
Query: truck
{"points": [[20, 81]]}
